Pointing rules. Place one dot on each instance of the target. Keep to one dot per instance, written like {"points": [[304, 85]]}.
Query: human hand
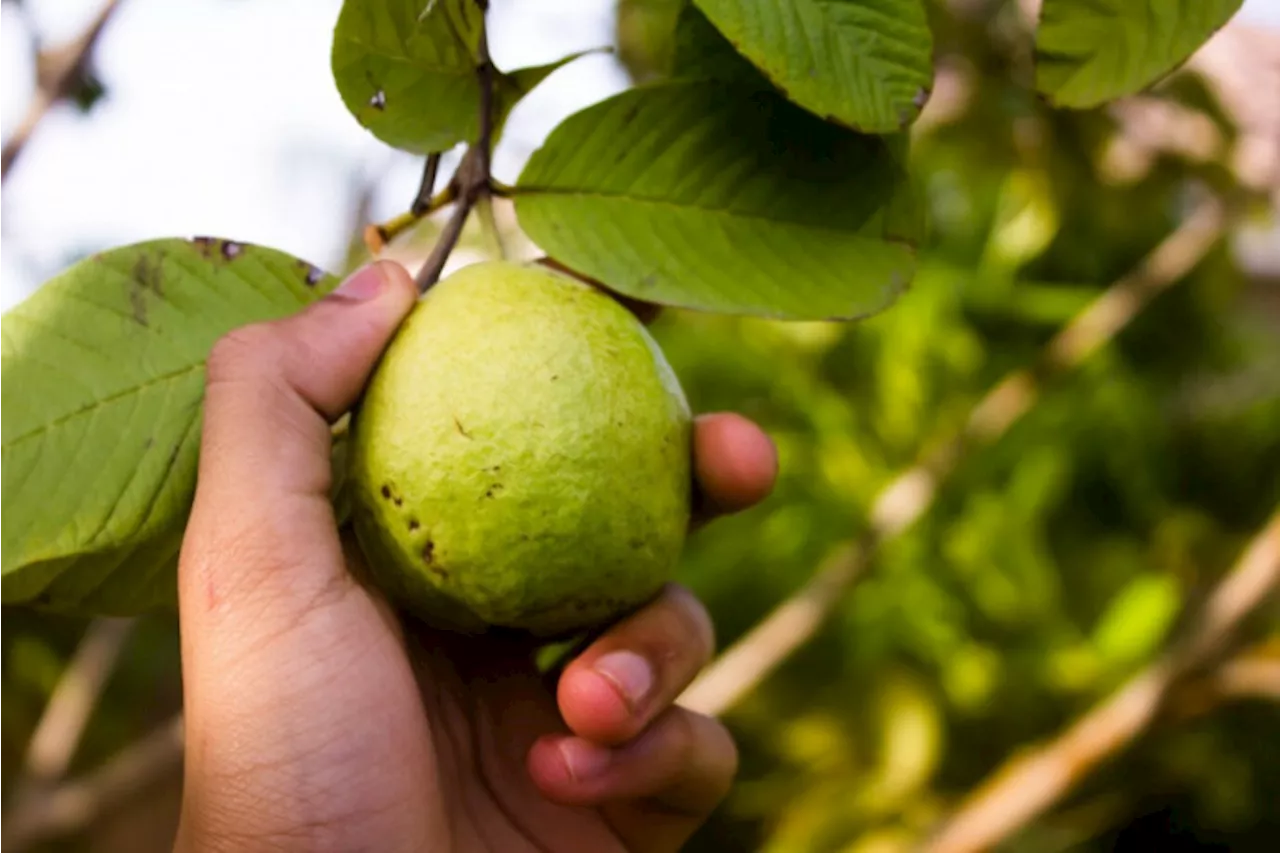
{"points": [[317, 719]]}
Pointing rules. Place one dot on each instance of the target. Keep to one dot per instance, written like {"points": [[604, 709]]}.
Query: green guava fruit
{"points": [[521, 457]]}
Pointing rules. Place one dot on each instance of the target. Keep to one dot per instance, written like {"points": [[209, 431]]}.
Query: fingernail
{"points": [[584, 760], [630, 674], [365, 283]]}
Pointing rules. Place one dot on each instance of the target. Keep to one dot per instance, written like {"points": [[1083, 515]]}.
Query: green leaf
{"points": [[1092, 51], [103, 378], [700, 52], [406, 70], [644, 33], [515, 85], [1138, 618], [706, 195], [866, 64]]}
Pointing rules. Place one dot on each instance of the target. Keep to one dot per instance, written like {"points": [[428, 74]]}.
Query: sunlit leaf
{"points": [[102, 389], [406, 69], [1092, 51], [863, 63], [724, 198]]}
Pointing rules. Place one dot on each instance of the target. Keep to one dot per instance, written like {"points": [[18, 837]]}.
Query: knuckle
{"points": [[682, 736], [695, 629], [243, 352]]}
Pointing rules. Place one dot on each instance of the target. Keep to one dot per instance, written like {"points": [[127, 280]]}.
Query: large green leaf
{"points": [[103, 377], [708, 195], [864, 63], [701, 52], [406, 69], [1092, 51]]}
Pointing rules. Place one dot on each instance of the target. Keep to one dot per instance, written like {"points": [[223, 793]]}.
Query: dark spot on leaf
{"points": [[413, 524], [232, 250], [312, 273], [146, 276], [386, 491], [554, 377], [493, 490], [461, 429], [205, 245], [629, 116], [379, 100]]}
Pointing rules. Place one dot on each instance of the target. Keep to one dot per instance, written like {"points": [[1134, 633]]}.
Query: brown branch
{"points": [[64, 66], [474, 175], [909, 495], [1029, 784], [62, 724], [427, 187], [76, 804], [748, 661]]}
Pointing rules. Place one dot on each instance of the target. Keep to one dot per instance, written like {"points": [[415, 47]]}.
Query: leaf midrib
{"points": [[525, 190], [96, 404]]}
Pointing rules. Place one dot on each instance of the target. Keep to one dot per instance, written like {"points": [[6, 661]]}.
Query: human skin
{"points": [[319, 719]]}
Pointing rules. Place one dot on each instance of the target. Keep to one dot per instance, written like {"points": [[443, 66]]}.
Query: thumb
{"points": [[272, 388]]}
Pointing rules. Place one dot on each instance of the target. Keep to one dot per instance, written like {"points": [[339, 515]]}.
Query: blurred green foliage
{"points": [[1052, 564]]}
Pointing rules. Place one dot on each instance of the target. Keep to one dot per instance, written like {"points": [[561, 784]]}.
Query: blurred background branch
{"points": [[907, 497], [58, 733], [1030, 784], [60, 73], [76, 804]]}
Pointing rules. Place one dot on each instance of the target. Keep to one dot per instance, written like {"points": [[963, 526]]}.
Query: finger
{"points": [[261, 512], [655, 790], [735, 465], [636, 668]]}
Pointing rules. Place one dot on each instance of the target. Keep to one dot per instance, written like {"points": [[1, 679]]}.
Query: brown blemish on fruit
{"points": [[389, 493], [429, 559], [462, 431]]}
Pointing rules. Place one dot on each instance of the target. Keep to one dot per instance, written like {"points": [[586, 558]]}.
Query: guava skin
{"points": [[521, 457]]}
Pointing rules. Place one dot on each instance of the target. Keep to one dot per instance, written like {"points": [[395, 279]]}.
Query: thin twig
{"points": [[472, 180], [426, 189], [909, 495], [486, 213], [62, 724], [64, 66], [378, 235], [75, 804], [1028, 785]]}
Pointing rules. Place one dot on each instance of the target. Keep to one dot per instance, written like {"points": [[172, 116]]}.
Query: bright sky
{"points": [[222, 119]]}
